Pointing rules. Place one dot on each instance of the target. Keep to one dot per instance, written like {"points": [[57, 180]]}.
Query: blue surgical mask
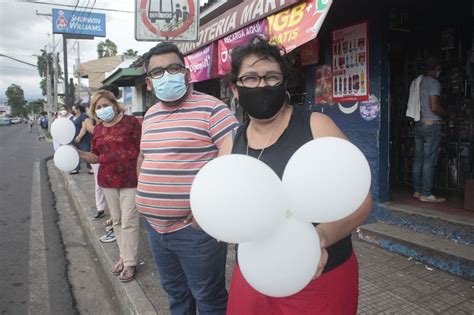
{"points": [[170, 87], [106, 114]]}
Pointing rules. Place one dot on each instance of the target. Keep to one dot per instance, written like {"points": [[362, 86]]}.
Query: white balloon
{"points": [[63, 130], [326, 180], [236, 198], [283, 263], [66, 158]]}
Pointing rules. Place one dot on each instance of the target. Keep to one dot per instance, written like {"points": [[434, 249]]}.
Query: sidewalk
{"points": [[389, 283]]}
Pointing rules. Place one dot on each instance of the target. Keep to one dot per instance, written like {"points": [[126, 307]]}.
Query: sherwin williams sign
{"points": [[239, 38], [78, 23], [200, 63]]}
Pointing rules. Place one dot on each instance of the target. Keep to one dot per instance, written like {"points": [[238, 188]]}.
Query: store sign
{"points": [[234, 19], [350, 63], [299, 24], [78, 23], [200, 63], [239, 38], [166, 20]]}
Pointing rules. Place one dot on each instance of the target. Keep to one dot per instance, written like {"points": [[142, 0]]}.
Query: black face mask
{"points": [[262, 102]]}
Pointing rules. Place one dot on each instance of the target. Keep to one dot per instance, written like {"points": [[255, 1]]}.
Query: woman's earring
{"points": [[289, 96]]}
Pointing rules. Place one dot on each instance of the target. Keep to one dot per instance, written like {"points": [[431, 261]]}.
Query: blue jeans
{"points": [[427, 139], [86, 147], [191, 265]]}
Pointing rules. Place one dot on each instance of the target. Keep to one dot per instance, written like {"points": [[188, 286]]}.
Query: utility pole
{"points": [[66, 89], [48, 81], [55, 77], [78, 73]]}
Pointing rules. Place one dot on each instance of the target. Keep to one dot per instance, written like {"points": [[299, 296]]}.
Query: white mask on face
{"points": [[63, 112]]}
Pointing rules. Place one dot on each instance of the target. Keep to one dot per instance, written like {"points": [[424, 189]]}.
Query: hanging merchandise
{"points": [[350, 63], [323, 85]]}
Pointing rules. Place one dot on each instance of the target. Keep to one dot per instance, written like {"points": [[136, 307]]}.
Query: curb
{"points": [[131, 296]]}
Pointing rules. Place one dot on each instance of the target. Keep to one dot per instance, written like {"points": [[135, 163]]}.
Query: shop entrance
{"points": [[419, 29]]}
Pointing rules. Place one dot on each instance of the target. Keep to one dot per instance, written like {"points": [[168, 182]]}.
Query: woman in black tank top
{"points": [[275, 131]]}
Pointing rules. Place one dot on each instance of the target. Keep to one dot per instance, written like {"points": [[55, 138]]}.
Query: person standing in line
{"points": [[427, 131], [115, 145], [181, 133], [275, 131], [81, 141]]}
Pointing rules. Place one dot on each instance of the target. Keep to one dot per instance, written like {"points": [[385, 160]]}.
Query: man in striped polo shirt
{"points": [[180, 134]]}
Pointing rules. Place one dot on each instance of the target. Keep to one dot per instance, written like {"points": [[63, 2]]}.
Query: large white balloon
{"points": [[236, 198], [326, 180], [66, 158], [283, 263], [63, 130]]}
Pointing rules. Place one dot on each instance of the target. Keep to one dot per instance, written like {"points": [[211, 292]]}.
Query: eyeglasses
{"points": [[253, 80], [158, 72]]}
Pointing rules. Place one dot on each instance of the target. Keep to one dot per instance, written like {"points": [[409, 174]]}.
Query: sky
{"points": [[23, 34]]}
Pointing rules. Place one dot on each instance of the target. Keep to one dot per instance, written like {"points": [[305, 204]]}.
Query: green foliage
{"points": [[16, 99], [36, 106], [106, 48], [44, 61], [130, 53]]}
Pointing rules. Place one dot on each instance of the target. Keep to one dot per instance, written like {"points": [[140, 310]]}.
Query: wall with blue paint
{"points": [[363, 133]]}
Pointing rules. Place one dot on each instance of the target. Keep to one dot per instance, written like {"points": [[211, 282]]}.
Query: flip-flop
{"points": [[118, 271], [132, 270]]}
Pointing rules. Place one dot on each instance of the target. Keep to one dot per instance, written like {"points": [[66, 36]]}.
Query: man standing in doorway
{"points": [[180, 134], [427, 131]]}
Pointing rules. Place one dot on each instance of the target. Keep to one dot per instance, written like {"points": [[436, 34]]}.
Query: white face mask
{"points": [[63, 112]]}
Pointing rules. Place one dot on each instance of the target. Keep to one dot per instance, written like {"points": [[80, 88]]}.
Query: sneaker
{"points": [[432, 199], [416, 195], [109, 236], [98, 215]]}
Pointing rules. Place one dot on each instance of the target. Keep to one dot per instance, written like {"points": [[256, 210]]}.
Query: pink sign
{"points": [[200, 63], [239, 38]]}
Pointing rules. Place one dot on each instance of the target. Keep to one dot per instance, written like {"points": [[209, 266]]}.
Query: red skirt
{"points": [[335, 292]]}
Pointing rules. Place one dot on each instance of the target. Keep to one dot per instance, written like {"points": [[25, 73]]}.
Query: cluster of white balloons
{"points": [[239, 199], [66, 157]]}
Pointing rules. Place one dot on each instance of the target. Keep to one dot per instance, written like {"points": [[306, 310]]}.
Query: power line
{"points": [[71, 6], [26, 63], [15, 68]]}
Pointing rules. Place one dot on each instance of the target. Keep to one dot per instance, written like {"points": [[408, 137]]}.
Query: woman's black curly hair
{"points": [[260, 47]]}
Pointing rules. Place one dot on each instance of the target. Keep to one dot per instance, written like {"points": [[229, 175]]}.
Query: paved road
{"points": [[33, 267]]}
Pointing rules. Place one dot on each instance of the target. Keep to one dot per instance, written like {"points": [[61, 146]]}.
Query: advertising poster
{"points": [[78, 23], [239, 38], [200, 63], [350, 63], [299, 24], [166, 20], [323, 85]]}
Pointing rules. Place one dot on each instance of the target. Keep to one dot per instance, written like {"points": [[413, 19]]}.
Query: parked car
{"points": [[5, 122]]}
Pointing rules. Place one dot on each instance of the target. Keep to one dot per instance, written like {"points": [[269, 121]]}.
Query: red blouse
{"points": [[117, 147]]}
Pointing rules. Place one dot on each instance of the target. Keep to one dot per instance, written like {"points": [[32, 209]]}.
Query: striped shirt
{"points": [[176, 143]]}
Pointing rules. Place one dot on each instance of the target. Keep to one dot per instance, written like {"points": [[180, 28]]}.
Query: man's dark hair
{"points": [[111, 88], [161, 49], [430, 63], [80, 108], [259, 47]]}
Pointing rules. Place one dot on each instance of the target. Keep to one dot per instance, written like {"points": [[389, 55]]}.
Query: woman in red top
{"points": [[115, 145]]}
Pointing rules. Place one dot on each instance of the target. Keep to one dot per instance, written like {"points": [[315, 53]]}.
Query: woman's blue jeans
{"points": [[427, 139]]}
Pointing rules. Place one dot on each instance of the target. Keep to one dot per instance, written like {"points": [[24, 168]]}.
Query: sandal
{"points": [[108, 222], [74, 172], [128, 274], [117, 268]]}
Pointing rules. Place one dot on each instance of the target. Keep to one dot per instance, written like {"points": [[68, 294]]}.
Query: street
{"points": [[37, 276]]}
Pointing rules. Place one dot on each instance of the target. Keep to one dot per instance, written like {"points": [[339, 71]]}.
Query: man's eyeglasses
{"points": [[253, 80], [158, 72]]}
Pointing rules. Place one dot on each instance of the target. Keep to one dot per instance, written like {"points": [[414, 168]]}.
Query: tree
{"points": [[16, 99], [43, 61], [130, 53], [36, 106], [106, 48]]}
